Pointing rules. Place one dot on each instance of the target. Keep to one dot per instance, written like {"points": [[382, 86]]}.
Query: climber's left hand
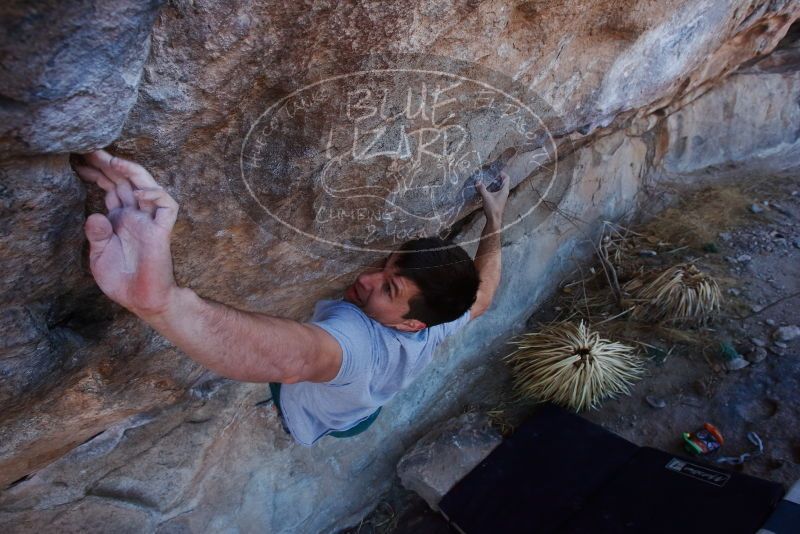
{"points": [[130, 255]]}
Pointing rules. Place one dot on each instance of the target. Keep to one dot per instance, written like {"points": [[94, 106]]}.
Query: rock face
{"points": [[71, 72], [737, 131], [102, 418]]}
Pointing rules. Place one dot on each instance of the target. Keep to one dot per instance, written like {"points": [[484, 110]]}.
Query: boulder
{"points": [[446, 455], [71, 72]]}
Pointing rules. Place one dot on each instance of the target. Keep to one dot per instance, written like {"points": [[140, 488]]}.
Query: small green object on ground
{"points": [[728, 352]]}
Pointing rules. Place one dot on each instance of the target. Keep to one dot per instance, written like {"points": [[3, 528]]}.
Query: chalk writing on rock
{"points": [[367, 159]]}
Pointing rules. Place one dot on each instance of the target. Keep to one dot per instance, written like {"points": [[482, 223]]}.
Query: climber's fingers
{"points": [[123, 185], [499, 186], [129, 185], [166, 209], [99, 232], [119, 168], [145, 197], [90, 174], [504, 182], [126, 175]]}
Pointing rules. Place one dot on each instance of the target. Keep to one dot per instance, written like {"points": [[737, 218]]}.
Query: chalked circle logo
{"points": [[365, 160]]}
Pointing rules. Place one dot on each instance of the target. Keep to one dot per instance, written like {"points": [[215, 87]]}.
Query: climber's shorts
{"points": [[275, 389]]}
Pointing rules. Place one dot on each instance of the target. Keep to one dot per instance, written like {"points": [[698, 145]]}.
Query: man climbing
{"points": [[327, 376]]}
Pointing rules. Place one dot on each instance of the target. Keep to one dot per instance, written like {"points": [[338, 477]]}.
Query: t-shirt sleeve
{"points": [[352, 330], [441, 331]]}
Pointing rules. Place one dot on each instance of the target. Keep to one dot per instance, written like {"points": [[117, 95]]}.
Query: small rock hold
{"points": [[755, 208], [655, 402], [725, 236], [743, 258], [780, 344], [757, 355], [758, 342], [736, 363], [786, 333], [770, 322]]}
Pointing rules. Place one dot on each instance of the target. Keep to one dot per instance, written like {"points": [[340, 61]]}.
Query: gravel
{"points": [[786, 333], [757, 355]]}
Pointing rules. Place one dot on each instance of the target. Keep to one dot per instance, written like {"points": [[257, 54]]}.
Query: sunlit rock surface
{"points": [[106, 427]]}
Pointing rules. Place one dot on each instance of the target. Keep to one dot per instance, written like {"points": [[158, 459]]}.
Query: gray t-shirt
{"points": [[377, 362]]}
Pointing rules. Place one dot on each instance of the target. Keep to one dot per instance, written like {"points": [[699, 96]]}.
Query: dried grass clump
{"points": [[700, 214], [572, 366], [681, 294], [622, 247]]}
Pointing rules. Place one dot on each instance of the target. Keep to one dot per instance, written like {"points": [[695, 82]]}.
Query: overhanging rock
{"points": [[101, 415]]}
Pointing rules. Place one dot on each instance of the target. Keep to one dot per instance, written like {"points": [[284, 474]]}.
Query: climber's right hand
{"points": [[129, 253]]}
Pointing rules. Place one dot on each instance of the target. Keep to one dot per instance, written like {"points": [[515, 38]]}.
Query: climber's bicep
{"points": [[322, 356]]}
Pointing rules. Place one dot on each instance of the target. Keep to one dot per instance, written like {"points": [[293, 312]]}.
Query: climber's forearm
{"points": [[237, 344], [487, 257], [488, 265]]}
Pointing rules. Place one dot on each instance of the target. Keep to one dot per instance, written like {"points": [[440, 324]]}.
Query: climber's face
{"points": [[384, 296]]}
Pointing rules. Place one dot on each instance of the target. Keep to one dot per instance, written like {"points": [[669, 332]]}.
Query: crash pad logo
{"points": [[367, 159], [699, 472]]}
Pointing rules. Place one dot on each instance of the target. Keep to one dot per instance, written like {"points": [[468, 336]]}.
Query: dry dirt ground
{"points": [[748, 237]]}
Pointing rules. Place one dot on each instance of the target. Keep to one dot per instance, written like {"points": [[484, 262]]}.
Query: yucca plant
{"points": [[568, 364], [681, 294]]}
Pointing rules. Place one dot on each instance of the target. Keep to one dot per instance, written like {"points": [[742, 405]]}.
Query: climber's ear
{"points": [[410, 325]]}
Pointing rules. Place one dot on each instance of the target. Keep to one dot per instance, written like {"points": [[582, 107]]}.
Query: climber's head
{"points": [[426, 282]]}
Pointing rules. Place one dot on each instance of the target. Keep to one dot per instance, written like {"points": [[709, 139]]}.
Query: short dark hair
{"points": [[446, 275]]}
